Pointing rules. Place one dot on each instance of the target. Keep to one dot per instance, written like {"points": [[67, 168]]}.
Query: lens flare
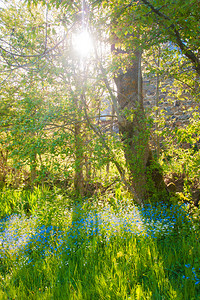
{"points": [[82, 43]]}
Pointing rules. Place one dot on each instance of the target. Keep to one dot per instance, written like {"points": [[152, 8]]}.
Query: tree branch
{"points": [[176, 35]]}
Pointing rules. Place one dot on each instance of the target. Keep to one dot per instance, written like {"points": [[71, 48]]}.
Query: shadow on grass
{"points": [[127, 266], [101, 255]]}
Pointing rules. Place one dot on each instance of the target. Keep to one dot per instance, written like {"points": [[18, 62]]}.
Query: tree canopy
{"points": [[62, 107]]}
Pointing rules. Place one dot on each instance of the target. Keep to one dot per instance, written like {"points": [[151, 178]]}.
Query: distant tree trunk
{"points": [[3, 166], [146, 179], [33, 167], [157, 100], [78, 178], [111, 131]]}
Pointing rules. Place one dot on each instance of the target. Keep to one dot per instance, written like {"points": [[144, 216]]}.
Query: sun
{"points": [[82, 43]]}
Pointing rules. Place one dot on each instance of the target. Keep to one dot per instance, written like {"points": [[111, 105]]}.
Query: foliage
{"points": [[47, 90], [154, 22], [182, 144]]}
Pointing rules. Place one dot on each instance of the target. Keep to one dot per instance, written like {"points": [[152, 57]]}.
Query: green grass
{"points": [[67, 250]]}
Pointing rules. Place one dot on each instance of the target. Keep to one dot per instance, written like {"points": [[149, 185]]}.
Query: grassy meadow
{"points": [[55, 247]]}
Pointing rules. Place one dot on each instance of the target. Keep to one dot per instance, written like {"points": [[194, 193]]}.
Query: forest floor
{"points": [[64, 249]]}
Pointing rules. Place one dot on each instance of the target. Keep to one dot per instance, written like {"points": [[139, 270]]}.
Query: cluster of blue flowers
{"points": [[108, 223], [149, 220], [163, 219], [15, 231], [45, 240], [194, 276]]}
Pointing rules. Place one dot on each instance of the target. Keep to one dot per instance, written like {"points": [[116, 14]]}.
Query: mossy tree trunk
{"points": [[145, 176]]}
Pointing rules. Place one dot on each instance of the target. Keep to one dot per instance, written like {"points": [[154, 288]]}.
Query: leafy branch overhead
{"points": [[163, 21], [179, 30]]}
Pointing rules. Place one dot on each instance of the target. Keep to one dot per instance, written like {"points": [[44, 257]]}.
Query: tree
{"points": [[145, 175], [138, 25]]}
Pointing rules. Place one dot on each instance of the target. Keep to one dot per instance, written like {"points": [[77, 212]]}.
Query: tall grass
{"points": [[66, 250]]}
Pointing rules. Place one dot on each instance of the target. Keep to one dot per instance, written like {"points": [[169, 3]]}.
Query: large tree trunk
{"points": [[145, 177]]}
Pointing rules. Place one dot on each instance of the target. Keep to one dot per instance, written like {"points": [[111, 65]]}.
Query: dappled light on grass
{"points": [[19, 233], [100, 251], [15, 233]]}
